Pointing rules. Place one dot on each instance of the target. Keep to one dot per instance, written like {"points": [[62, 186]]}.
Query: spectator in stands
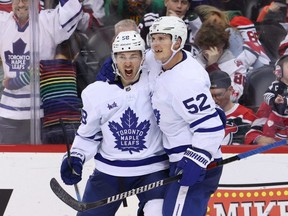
{"points": [[213, 14], [243, 40], [95, 11], [238, 117], [96, 8], [178, 8], [206, 12], [58, 91], [116, 10], [55, 26], [272, 27], [60, 102], [276, 10], [258, 134], [125, 25], [213, 41], [276, 97], [255, 134], [106, 72]]}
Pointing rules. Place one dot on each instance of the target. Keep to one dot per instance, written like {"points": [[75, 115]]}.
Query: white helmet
{"points": [[172, 25], [128, 41]]}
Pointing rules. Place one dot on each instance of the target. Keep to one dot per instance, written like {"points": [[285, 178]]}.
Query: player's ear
{"points": [[143, 58], [177, 43]]}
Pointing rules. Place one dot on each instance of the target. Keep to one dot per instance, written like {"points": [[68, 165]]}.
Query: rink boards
{"points": [[250, 187]]}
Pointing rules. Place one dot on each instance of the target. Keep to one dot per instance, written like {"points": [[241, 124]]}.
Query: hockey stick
{"points": [[69, 159], [82, 206], [253, 185], [73, 171]]}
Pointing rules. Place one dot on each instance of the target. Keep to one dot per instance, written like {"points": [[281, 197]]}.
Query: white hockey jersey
{"points": [[55, 26], [184, 108], [253, 54], [119, 129]]}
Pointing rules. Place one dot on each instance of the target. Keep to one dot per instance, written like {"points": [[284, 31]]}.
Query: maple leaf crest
{"points": [[17, 60], [130, 136]]}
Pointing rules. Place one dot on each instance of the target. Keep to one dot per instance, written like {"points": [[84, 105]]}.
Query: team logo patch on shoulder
{"points": [[111, 106], [129, 135]]}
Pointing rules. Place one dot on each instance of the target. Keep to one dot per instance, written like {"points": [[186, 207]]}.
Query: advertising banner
{"points": [[254, 186]]}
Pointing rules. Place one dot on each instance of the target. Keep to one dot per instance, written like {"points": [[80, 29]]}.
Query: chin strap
{"points": [[116, 70], [173, 54]]}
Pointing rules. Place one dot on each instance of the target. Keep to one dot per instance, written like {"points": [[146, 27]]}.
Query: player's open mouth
{"points": [[128, 73]]}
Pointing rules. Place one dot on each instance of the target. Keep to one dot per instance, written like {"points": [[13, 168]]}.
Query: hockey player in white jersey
{"points": [[120, 132], [192, 127], [55, 26]]}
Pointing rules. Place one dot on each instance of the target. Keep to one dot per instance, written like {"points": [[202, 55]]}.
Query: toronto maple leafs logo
{"points": [[157, 115], [130, 136], [17, 60]]}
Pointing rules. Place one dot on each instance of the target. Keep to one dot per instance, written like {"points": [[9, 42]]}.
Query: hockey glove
{"points": [[193, 166], [71, 168]]}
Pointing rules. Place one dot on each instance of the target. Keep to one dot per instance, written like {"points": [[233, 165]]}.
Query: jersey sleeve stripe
{"points": [[178, 149], [72, 19], [207, 130], [201, 120]]}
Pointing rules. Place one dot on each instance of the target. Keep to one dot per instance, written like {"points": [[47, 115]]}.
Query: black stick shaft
{"points": [[69, 158]]}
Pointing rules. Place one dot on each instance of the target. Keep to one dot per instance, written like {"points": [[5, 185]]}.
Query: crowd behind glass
{"points": [[77, 61]]}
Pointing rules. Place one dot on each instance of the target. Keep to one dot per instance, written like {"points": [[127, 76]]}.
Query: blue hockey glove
{"points": [[193, 166], [71, 170]]}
